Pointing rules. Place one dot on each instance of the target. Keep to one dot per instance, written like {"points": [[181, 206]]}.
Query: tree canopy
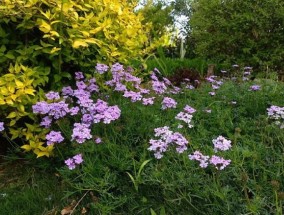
{"points": [[250, 32]]}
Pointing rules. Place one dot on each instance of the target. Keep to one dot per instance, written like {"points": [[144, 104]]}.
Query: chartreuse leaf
{"points": [[11, 115]]}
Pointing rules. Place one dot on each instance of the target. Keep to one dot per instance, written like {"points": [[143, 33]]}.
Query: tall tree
{"points": [[251, 32]]}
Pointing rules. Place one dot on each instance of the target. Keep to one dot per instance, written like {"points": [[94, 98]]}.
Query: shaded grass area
{"points": [[26, 189]]}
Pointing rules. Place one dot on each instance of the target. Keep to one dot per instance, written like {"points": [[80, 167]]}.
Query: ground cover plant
{"points": [[126, 145]]}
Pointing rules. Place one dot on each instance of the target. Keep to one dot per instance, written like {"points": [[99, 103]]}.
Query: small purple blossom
{"points": [[81, 85], [74, 161], [167, 138], [74, 111], [41, 107], [186, 117], [202, 159], [58, 109], [67, 91], [219, 162], [52, 95], [46, 122], [212, 93], [101, 68], [54, 137], [255, 88], [79, 76], [134, 96], [168, 103], [117, 67], [98, 140], [221, 144], [148, 101], [2, 126], [159, 87], [276, 113], [78, 159], [189, 109], [70, 163], [81, 133], [190, 87]]}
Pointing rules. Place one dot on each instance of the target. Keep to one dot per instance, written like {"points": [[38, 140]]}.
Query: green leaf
{"points": [[152, 212], [57, 78], [10, 55]]}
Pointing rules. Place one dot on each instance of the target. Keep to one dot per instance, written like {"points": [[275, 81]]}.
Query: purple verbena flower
{"points": [[168, 103], [52, 95], [219, 162], [221, 144], [81, 133], [254, 88], [148, 101], [101, 68], [54, 137], [98, 140], [41, 107], [117, 67], [67, 91], [46, 122], [79, 76], [134, 96], [2, 126], [159, 87], [70, 163], [202, 159], [78, 159]]}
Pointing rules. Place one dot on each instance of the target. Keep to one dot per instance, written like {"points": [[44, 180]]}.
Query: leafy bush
{"points": [[45, 42]]}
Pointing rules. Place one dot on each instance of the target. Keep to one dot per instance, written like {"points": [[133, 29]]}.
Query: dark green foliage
{"points": [[239, 31]]}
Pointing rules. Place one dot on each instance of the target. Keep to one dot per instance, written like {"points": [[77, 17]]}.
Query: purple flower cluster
{"points": [[215, 84], [101, 68], [202, 159], [76, 102], [74, 161], [148, 101], [254, 88], [2, 126], [247, 73], [186, 115], [167, 138], [129, 85], [221, 144], [219, 162], [54, 137], [276, 113], [168, 103], [81, 133], [159, 87]]}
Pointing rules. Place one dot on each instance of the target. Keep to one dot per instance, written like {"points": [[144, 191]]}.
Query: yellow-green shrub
{"points": [[71, 32], [43, 42], [17, 93]]}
